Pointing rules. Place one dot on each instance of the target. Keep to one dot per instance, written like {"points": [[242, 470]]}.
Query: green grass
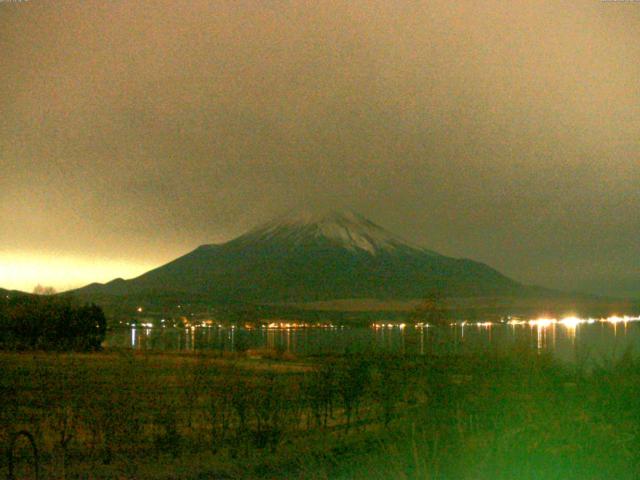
{"points": [[120, 414]]}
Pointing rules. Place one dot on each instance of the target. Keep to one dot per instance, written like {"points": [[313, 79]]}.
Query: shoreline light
{"points": [[570, 322], [543, 322]]}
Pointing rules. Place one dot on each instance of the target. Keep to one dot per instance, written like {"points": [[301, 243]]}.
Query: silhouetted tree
{"points": [[353, 379], [40, 290], [432, 309], [50, 323]]}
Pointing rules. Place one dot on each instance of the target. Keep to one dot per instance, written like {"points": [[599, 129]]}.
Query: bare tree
{"points": [[432, 309], [40, 290]]}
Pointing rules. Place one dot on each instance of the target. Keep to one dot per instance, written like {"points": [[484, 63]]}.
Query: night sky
{"points": [[133, 131]]}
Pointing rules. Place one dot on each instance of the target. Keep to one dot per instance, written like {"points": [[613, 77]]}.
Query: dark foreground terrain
{"points": [[119, 414]]}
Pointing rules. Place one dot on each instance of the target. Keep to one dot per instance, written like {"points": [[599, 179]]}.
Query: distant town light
{"points": [[543, 322], [571, 322]]}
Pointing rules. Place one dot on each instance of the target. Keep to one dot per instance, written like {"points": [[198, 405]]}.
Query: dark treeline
{"points": [[50, 323]]}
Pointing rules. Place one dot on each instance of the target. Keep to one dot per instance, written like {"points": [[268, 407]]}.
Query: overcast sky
{"points": [[133, 131]]}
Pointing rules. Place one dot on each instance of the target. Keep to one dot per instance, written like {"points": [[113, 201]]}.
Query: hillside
{"points": [[304, 258]]}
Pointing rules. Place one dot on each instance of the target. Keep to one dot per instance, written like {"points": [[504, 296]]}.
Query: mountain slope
{"points": [[315, 257], [12, 293]]}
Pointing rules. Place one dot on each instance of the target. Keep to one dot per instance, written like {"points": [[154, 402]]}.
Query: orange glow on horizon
{"points": [[23, 271]]}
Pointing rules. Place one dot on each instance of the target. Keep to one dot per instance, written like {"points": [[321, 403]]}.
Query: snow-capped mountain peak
{"points": [[347, 229], [305, 257]]}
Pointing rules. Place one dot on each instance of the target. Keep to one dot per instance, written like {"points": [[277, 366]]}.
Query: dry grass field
{"points": [[119, 414]]}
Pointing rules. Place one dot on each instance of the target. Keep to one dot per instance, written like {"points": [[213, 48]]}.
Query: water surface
{"points": [[570, 340]]}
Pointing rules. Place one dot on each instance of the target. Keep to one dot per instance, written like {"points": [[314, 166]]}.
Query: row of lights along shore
{"points": [[569, 322]]}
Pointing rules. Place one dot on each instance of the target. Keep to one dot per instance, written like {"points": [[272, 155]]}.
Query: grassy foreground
{"points": [[120, 414]]}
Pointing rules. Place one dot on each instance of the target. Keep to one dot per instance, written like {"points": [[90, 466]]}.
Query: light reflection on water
{"points": [[567, 339]]}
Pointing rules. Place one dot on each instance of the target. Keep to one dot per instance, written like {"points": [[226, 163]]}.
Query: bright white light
{"points": [[542, 322], [616, 319], [571, 322]]}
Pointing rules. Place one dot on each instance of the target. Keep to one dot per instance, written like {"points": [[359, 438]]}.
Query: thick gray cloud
{"points": [[501, 131]]}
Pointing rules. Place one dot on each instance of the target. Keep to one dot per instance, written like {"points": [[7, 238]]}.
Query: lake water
{"points": [[598, 340]]}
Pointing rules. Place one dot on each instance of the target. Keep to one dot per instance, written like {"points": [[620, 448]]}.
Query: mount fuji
{"points": [[309, 257]]}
